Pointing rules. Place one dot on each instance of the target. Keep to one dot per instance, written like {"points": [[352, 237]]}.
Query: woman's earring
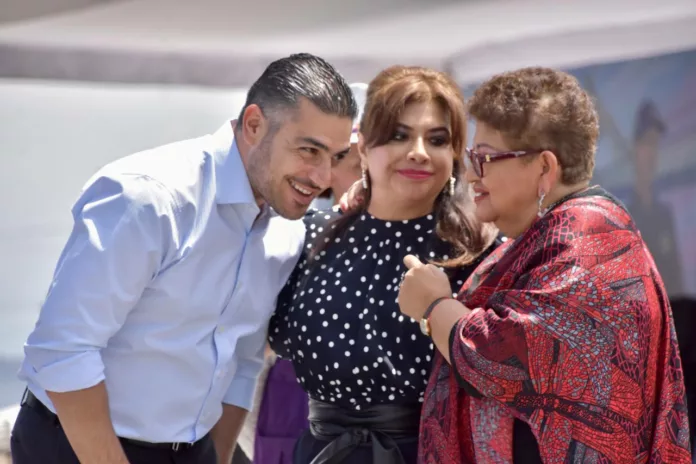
{"points": [[542, 211], [452, 181], [364, 178]]}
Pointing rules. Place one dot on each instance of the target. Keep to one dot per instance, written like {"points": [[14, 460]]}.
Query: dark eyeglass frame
{"points": [[477, 159]]}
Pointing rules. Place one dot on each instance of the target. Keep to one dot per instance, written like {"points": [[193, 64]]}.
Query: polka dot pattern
{"points": [[338, 320]]}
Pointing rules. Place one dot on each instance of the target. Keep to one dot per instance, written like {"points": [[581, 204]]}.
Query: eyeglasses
{"points": [[474, 160]]}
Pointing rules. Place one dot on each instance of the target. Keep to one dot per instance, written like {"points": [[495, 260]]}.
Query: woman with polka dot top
{"points": [[364, 364]]}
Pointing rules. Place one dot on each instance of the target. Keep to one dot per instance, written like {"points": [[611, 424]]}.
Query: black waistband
{"points": [[382, 425], [34, 403]]}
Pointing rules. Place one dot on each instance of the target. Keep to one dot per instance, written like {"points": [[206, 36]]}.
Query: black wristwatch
{"points": [[425, 321]]}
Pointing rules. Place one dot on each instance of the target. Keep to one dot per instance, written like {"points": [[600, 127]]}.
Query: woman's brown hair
{"points": [[387, 95]]}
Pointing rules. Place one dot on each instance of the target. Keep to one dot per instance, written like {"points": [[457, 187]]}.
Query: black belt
{"points": [[382, 425], [34, 403]]}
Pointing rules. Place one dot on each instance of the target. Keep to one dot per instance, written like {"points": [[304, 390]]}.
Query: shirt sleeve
{"points": [[491, 348], [122, 232], [550, 340], [243, 386]]}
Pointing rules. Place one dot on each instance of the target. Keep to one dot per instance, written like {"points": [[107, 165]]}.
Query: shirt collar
{"points": [[231, 180]]}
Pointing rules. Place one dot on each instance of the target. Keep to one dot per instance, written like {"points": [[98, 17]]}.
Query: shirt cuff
{"points": [[241, 392], [76, 372]]}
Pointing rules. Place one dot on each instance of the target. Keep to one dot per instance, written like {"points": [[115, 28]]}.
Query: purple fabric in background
{"points": [[282, 416]]}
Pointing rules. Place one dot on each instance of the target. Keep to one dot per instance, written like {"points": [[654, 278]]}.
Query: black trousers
{"points": [[239, 457], [38, 438]]}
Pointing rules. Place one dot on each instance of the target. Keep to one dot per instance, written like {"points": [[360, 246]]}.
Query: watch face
{"points": [[425, 327]]}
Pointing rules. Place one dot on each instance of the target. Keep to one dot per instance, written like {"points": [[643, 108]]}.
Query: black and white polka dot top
{"points": [[338, 320]]}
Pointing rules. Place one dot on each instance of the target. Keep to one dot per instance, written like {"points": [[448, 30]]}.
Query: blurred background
{"points": [[83, 82]]}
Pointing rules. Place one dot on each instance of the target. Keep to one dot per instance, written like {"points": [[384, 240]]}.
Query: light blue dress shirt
{"points": [[164, 290]]}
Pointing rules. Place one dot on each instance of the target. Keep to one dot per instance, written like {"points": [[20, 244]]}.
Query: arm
{"points": [[239, 397], [445, 316], [353, 198], [226, 431], [247, 436], [556, 353], [115, 248], [537, 336], [84, 415], [426, 287], [527, 336], [449, 312]]}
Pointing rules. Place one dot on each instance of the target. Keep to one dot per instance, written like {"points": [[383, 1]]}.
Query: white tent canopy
{"points": [[229, 42], [17, 10]]}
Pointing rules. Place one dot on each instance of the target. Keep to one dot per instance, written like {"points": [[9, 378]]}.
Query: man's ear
{"points": [[254, 125]]}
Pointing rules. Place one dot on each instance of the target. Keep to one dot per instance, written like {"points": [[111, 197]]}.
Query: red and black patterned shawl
{"points": [[572, 334]]}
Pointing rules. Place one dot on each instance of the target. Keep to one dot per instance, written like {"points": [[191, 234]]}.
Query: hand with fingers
{"points": [[353, 198], [421, 286]]}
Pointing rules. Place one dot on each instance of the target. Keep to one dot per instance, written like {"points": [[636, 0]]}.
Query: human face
{"points": [[288, 168], [409, 172], [345, 172], [508, 192]]}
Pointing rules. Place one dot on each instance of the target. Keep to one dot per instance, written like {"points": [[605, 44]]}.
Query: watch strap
{"points": [[429, 310]]}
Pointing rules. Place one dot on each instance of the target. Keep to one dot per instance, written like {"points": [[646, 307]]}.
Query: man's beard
{"points": [[264, 184], [261, 178], [258, 170]]}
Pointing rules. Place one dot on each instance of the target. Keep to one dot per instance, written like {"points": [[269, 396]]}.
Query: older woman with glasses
{"points": [[561, 345]]}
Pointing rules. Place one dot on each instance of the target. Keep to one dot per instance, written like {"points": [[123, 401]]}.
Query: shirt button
{"points": [[221, 328]]}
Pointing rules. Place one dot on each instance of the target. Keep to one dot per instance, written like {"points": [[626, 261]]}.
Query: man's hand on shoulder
{"points": [[353, 198]]}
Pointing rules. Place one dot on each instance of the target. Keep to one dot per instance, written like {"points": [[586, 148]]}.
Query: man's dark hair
{"points": [[301, 75]]}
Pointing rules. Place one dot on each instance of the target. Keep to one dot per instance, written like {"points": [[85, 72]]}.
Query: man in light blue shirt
{"points": [[152, 334]]}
